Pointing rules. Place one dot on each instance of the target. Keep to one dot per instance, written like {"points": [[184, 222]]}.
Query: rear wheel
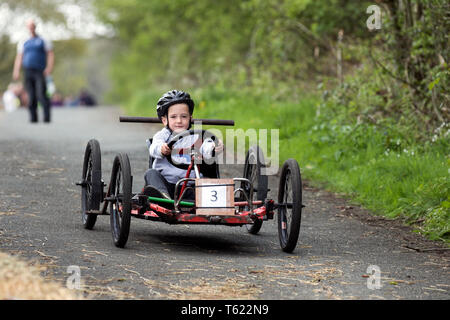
{"points": [[254, 171], [289, 205], [92, 186], [120, 206]]}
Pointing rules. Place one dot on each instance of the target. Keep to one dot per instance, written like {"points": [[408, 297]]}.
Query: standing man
{"points": [[37, 58]]}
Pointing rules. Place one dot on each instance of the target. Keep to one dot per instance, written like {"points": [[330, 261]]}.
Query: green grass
{"points": [[376, 166]]}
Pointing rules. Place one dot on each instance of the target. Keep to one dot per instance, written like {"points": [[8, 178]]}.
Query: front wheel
{"points": [[91, 187], [120, 206], [289, 205]]}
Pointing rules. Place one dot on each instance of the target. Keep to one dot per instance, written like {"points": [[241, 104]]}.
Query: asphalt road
{"points": [[40, 220]]}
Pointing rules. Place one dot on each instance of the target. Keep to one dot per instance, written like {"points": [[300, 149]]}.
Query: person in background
{"points": [[86, 99], [57, 100], [37, 59], [10, 97], [71, 101]]}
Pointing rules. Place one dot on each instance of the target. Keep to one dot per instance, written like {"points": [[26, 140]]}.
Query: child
{"points": [[175, 110]]}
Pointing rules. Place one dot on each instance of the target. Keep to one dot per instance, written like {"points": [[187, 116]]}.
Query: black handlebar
{"points": [[216, 122]]}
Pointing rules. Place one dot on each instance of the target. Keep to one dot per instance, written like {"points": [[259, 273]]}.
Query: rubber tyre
{"points": [[254, 170], [289, 191], [120, 208], [91, 191]]}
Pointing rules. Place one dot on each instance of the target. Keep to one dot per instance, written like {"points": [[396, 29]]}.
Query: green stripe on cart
{"points": [[182, 203]]}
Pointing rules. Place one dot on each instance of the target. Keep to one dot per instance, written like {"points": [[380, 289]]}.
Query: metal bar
{"points": [[217, 122], [183, 203], [105, 203], [250, 196], [82, 183], [176, 191], [197, 171], [188, 173], [216, 185], [245, 203]]}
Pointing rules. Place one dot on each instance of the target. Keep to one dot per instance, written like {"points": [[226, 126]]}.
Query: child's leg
{"points": [[155, 179]]}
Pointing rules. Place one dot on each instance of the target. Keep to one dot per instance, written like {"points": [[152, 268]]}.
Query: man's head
{"points": [[31, 26], [175, 110]]}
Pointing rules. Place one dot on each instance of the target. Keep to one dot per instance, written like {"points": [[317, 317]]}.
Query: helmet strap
{"points": [[167, 126]]}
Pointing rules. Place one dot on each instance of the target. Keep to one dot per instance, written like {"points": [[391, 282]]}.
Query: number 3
{"points": [[214, 195]]}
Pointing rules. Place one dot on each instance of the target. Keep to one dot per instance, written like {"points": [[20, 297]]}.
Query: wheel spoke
{"points": [[288, 199], [117, 192], [252, 172], [89, 177]]}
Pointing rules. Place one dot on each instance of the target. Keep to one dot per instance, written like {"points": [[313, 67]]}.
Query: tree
{"points": [[45, 9], [417, 40], [7, 55]]}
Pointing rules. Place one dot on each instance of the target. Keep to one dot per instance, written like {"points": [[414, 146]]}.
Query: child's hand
{"points": [[219, 148], [165, 150]]}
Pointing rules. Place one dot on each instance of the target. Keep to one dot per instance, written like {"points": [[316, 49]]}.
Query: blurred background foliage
{"points": [[285, 47], [258, 44], [279, 46]]}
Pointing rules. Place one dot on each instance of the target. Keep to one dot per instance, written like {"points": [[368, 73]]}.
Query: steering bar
{"points": [[216, 122]]}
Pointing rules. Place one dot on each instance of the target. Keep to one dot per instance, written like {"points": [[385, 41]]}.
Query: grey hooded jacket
{"points": [[171, 173]]}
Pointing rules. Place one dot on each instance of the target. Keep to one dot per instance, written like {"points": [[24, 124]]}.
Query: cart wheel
{"points": [[92, 188], [254, 171], [120, 207], [290, 205]]}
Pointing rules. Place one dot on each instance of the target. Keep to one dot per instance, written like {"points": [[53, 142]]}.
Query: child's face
{"points": [[178, 117]]}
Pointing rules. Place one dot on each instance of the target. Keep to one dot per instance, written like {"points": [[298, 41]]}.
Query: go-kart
{"points": [[217, 201]]}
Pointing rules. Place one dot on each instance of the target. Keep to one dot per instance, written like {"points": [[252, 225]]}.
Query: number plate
{"points": [[214, 197]]}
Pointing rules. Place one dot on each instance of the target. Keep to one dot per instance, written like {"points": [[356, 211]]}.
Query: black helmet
{"points": [[173, 97]]}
